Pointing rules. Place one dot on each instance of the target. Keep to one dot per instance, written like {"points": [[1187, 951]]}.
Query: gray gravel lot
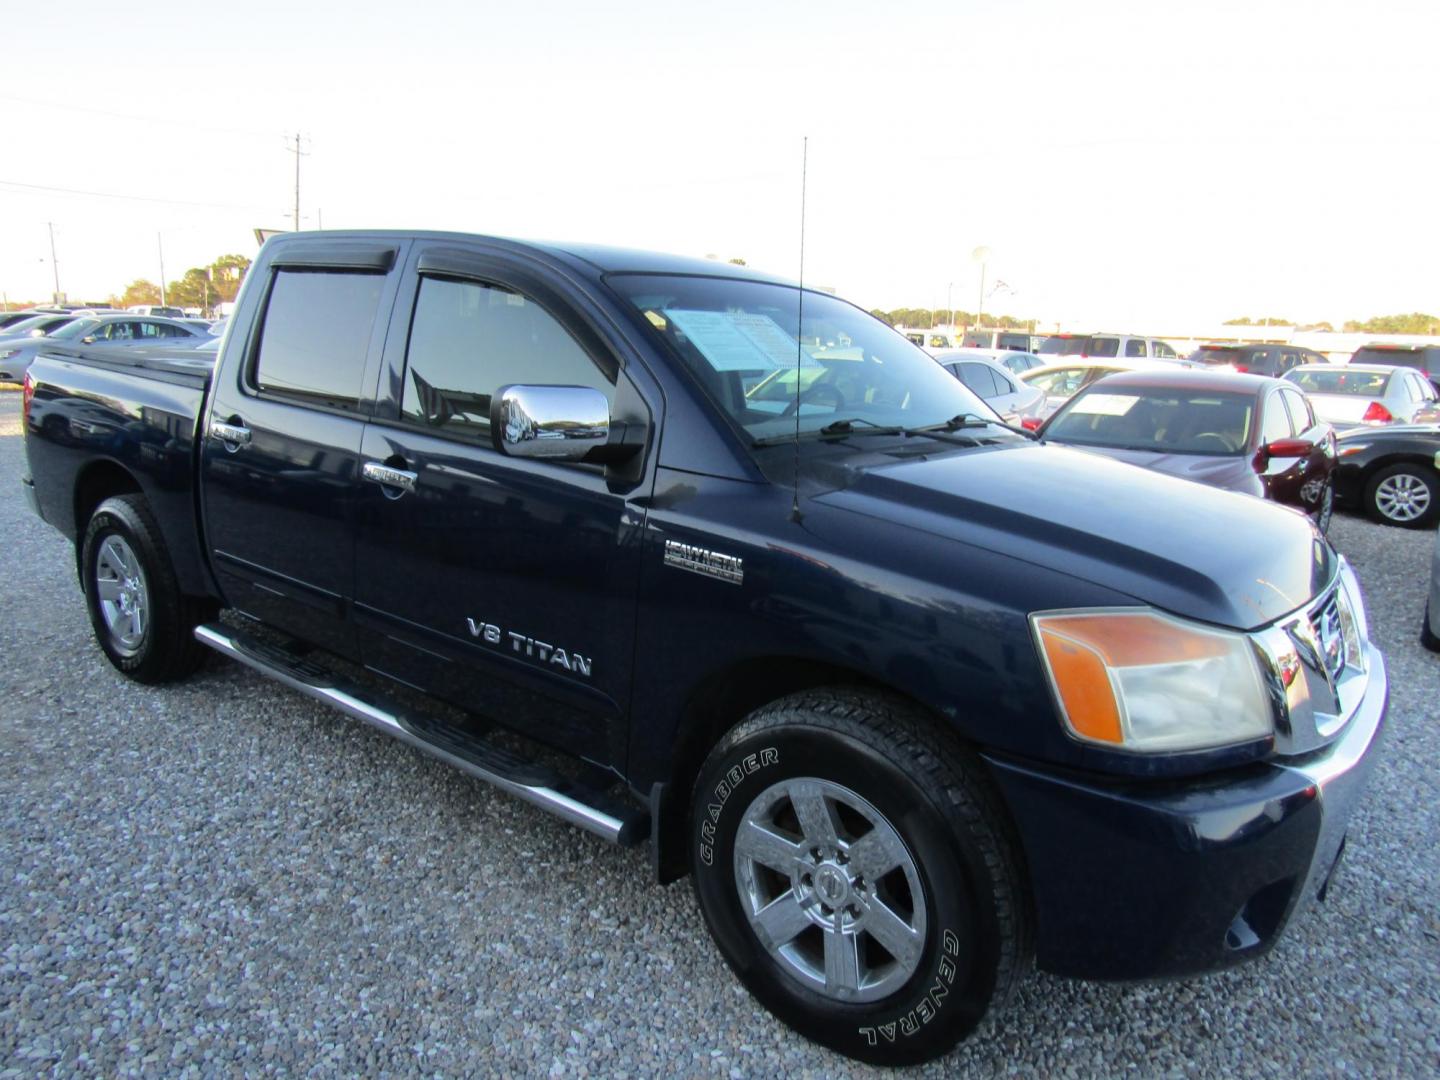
{"points": [[223, 876]]}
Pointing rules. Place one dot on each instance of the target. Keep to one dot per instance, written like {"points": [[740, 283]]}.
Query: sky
{"points": [[1127, 166]]}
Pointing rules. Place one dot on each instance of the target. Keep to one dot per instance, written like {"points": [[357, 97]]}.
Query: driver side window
{"points": [[468, 339]]}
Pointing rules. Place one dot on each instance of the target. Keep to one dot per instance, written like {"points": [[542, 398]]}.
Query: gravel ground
{"points": [[222, 876]]}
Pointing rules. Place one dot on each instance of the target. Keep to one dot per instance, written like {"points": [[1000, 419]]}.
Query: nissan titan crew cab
{"points": [[915, 700]]}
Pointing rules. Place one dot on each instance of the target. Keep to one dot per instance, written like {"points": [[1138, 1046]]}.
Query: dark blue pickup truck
{"points": [[691, 556]]}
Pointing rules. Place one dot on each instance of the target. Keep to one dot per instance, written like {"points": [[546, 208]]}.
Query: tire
{"points": [[1427, 636], [916, 953], [1324, 511], [142, 621], [1404, 494]]}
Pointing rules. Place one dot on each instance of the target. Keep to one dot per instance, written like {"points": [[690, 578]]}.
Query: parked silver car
{"points": [[997, 384], [120, 329], [1352, 394]]}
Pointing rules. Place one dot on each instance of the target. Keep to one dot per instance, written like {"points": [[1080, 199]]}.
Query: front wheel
{"points": [[858, 876], [1405, 494], [142, 621]]}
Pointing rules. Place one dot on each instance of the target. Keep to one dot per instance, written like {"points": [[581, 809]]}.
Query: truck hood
{"points": [[1216, 556]]}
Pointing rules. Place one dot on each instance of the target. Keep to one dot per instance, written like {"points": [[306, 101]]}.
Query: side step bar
{"points": [[593, 810]]}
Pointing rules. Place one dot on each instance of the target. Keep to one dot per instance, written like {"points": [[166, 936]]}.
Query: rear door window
{"points": [[1302, 418], [468, 339], [979, 378], [1104, 346], [1276, 422], [1135, 347], [316, 334]]}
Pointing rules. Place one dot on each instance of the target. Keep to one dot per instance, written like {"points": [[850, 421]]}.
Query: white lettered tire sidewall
{"points": [[971, 929]]}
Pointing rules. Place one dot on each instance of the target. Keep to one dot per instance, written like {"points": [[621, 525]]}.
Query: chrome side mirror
{"points": [[561, 423]]}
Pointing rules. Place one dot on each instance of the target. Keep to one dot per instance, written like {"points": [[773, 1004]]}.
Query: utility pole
{"points": [[298, 155], [161, 247], [54, 264]]}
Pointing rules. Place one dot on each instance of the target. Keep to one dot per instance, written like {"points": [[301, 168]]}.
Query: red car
{"points": [[1246, 433]]}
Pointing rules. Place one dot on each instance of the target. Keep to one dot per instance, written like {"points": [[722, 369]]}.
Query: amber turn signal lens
{"points": [[1084, 686]]}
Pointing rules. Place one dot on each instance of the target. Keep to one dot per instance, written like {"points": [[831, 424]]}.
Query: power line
{"points": [[131, 198], [36, 103]]}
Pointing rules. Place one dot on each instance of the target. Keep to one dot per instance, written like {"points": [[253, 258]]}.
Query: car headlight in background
{"points": [[1138, 681]]}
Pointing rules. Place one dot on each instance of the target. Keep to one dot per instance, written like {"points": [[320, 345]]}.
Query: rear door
{"points": [[505, 585], [1320, 461], [279, 466]]}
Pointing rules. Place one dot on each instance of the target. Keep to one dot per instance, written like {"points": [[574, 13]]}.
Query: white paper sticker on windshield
{"points": [[736, 340], [1104, 404]]}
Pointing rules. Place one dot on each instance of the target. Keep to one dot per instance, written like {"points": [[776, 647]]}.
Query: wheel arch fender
{"points": [[97, 481], [718, 703]]}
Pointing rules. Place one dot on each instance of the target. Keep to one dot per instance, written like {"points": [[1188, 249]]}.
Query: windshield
{"points": [[739, 339], [1389, 354], [1323, 381], [1063, 346], [1166, 421], [75, 329], [38, 322], [1216, 356]]}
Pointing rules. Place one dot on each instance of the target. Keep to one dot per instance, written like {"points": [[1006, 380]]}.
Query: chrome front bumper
{"points": [[1340, 771]]}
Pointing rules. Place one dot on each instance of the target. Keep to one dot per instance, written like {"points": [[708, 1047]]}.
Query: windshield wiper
{"points": [[966, 420], [837, 428], [833, 429]]}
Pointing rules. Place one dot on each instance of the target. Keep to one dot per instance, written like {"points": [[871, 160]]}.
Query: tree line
{"points": [[199, 287], [925, 317], [1415, 322]]}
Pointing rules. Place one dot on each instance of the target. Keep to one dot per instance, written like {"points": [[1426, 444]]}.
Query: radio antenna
{"points": [[795, 514]]}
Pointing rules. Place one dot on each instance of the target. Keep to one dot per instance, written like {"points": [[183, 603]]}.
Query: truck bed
{"points": [[185, 365]]}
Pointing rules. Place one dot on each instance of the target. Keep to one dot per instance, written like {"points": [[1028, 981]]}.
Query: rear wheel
{"points": [[1405, 494], [142, 621], [858, 875]]}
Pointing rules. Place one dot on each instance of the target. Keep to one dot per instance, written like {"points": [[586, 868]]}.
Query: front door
{"points": [[506, 586]]}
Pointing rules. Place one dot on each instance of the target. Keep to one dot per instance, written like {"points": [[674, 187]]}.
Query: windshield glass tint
{"points": [[1216, 356], [1064, 346], [1165, 421], [78, 328], [1343, 381], [742, 342], [1368, 355]]}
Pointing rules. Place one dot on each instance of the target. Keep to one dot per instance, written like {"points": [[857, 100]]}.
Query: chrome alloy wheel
{"points": [[124, 594], [1402, 497], [830, 889]]}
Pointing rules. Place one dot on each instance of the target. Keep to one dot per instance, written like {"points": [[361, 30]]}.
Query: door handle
{"points": [[233, 436], [389, 477]]}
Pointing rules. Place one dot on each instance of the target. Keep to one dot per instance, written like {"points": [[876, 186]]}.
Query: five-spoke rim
{"points": [[830, 889], [123, 593], [1402, 497]]}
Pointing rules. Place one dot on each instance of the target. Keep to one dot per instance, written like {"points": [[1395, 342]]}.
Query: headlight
{"points": [[1354, 626], [1140, 681]]}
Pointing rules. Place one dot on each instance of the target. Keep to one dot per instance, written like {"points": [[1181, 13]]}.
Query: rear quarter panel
{"points": [[87, 418]]}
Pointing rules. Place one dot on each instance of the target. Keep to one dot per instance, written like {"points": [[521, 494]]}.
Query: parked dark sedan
{"points": [[1245, 433], [1257, 359], [1392, 473]]}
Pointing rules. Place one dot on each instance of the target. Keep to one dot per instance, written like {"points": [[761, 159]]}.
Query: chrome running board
{"points": [[592, 810]]}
